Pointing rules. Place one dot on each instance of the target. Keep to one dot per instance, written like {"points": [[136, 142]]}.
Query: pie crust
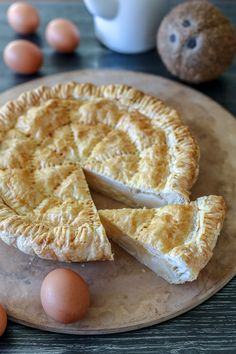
{"points": [[49, 212], [131, 146], [175, 241]]}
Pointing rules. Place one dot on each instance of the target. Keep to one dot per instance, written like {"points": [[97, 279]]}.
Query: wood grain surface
{"points": [[211, 327], [116, 306]]}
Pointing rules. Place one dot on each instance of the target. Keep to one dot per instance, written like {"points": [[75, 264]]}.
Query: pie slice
{"points": [[131, 147], [175, 241], [48, 210]]}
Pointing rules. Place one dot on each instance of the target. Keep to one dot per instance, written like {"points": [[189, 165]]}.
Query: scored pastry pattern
{"points": [[116, 131], [183, 235]]}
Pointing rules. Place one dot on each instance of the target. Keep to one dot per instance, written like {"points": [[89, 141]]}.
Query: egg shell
{"points": [[23, 18], [3, 320], [23, 57], [62, 35], [65, 295]]}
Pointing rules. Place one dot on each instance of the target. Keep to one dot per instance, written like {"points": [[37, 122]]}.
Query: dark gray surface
{"points": [[211, 327]]}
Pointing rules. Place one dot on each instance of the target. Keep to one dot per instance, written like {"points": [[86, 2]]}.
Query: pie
{"points": [[130, 146], [175, 241], [48, 210]]}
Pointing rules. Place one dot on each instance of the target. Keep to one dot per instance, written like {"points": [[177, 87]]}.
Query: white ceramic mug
{"points": [[127, 26]]}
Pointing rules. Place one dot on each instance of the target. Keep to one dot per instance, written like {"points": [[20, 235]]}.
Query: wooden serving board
{"points": [[126, 295]]}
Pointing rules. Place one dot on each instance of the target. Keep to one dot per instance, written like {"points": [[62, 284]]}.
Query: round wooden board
{"points": [[126, 295]]}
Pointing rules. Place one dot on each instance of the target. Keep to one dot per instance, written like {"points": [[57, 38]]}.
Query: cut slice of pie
{"points": [[131, 147], [48, 210], [175, 241]]}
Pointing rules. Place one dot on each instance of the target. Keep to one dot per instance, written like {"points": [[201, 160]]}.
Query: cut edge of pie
{"points": [[175, 241], [183, 151], [58, 221]]}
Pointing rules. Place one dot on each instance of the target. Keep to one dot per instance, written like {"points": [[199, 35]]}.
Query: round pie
{"points": [[130, 146]]}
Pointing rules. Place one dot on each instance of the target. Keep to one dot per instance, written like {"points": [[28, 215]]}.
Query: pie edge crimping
{"points": [[186, 149], [183, 261], [185, 153]]}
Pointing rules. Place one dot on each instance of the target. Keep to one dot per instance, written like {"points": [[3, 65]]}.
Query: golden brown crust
{"points": [[149, 119], [115, 131], [49, 212], [183, 235], [208, 224]]}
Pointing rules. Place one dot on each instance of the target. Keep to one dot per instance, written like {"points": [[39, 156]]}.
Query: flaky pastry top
{"points": [[114, 130], [185, 233], [48, 134]]}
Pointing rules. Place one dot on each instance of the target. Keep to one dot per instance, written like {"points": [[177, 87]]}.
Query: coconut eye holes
{"points": [[173, 38], [186, 23], [191, 43]]}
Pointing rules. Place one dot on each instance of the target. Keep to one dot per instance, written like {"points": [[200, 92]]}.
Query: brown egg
{"points": [[23, 57], [64, 295], [3, 320], [23, 18], [62, 35]]}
